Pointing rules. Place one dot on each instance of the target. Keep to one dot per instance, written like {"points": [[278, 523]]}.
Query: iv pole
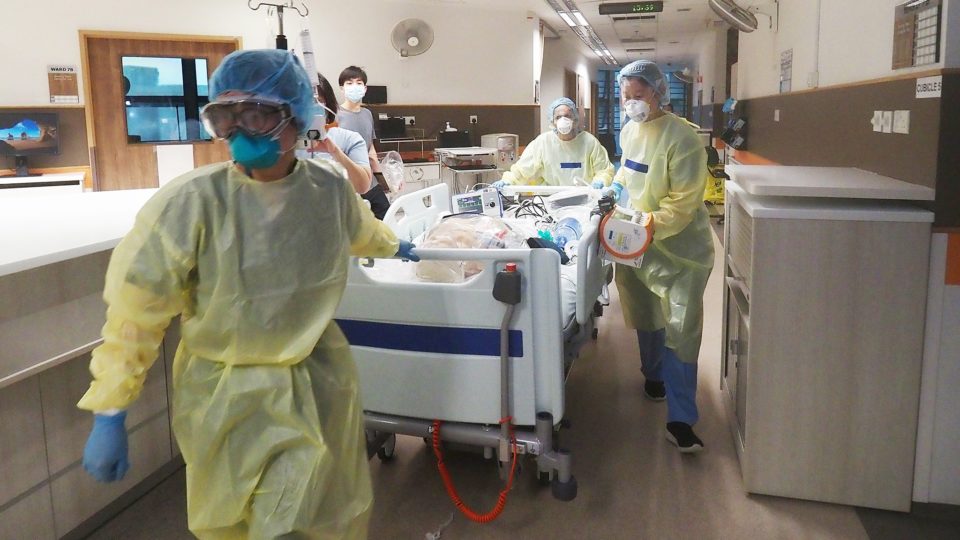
{"points": [[281, 39]]}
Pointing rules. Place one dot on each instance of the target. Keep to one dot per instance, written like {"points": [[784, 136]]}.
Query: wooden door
{"points": [[594, 106], [569, 86], [118, 163]]}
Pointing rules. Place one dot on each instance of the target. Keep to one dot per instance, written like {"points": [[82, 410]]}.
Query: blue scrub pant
{"points": [[660, 363]]}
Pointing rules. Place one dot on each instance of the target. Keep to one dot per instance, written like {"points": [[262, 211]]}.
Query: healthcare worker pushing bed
{"points": [[564, 156], [664, 170], [253, 254]]}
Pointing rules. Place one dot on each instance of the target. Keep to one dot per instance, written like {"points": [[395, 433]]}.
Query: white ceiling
{"points": [[675, 32]]}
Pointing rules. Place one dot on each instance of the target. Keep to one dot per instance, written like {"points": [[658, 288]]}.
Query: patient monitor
{"points": [[478, 202]]}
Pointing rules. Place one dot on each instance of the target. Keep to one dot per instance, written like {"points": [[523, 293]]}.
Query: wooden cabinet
{"points": [[823, 332], [50, 320]]}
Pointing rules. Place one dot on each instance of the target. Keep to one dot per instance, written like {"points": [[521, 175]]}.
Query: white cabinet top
{"points": [[825, 208], [37, 231], [827, 182]]}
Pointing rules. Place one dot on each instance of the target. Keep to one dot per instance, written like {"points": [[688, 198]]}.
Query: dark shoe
{"points": [[655, 390], [684, 438]]}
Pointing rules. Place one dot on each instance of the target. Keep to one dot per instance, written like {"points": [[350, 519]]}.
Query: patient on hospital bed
{"points": [[478, 231], [465, 231]]}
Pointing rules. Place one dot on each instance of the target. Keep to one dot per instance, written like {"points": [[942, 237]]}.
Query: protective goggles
{"points": [[255, 117]]}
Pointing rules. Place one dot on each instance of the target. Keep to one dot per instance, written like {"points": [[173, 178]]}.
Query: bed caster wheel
{"points": [[595, 333], [388, 451], [564, 491], [543, 477], [598, 310]]}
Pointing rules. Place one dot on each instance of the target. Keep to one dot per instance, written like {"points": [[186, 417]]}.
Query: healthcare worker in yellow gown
{"points": [[664, 171], [564, 156], [253, 255]]}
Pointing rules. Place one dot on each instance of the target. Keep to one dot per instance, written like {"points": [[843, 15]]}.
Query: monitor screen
{"points": [[29, 134], [376, 95]]}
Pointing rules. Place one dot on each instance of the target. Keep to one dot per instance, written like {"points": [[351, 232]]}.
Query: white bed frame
{"points": [[429, 351]]}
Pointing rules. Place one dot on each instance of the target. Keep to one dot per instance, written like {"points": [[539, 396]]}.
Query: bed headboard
{"points": [[412, 214]]}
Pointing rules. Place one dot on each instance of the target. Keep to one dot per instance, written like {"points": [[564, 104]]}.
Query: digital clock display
{"points": [[628, 8]]}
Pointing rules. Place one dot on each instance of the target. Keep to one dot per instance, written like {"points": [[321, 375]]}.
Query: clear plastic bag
{"points": [[392, 167], [465, 232]]}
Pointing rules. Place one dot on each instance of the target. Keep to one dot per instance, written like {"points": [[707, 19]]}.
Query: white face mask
{"points": [[355, 92], [564, 125], [637, 110]]}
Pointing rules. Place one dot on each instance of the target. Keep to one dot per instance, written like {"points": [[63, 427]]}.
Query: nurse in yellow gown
{"points": [[252, 254], [563, 156], [664, 171]]}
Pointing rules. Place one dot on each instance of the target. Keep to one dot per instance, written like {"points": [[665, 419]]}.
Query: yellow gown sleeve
{"points": [[685, 196], [529, 168], [369, 237], [600, 163], [147, 284]]}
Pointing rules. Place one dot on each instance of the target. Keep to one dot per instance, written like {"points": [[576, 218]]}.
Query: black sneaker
{"points": [[684, 438], [655, 390]]}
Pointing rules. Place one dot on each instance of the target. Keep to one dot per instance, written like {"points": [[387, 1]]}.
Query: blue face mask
{"points": [[254, 152]]}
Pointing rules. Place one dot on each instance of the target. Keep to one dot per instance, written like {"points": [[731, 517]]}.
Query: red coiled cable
{"points": [[452, 491]]}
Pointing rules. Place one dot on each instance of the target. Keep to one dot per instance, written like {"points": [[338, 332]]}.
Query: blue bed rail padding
{"points": [[429, 339]]}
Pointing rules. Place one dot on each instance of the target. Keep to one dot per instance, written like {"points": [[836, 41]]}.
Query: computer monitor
{"points": [[24, 134], [376, 95]]}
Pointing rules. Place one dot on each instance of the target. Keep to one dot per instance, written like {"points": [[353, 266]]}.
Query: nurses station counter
{"points": [[826, 275], [54, 251]]}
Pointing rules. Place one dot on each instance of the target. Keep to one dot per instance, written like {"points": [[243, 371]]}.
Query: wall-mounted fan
{"points": [[411, 37], [738, 17], [685, 76]]}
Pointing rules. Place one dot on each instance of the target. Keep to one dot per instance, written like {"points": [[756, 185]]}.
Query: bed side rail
{"points": [[412, 214]]}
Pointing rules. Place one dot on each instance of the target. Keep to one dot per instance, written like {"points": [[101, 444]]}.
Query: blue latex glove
{"points": [[597, 184], [406, 251], [105, 455], [499, 184], [615, 189]]}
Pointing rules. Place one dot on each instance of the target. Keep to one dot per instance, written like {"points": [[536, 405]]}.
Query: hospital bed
{"points": [[433, 351]]}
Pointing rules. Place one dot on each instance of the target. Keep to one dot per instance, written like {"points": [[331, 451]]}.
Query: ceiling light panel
{"points": [[578, 23]]}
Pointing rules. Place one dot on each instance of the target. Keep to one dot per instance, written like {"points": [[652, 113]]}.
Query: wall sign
{"points": [[929, 87], [63, 84], [786, 71], [916, 33]]}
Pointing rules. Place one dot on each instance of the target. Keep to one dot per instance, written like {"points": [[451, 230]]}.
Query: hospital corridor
{"points": [[637, 488], [480, 269]]}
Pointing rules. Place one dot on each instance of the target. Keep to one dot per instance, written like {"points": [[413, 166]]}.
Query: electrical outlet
{"points": [[473, 119], [877, 121], [886, 122], [901, 122], [776, 115], [409, 120]]}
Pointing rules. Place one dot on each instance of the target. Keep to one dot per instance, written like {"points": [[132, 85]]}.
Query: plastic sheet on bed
{"points": [[474, 231]]}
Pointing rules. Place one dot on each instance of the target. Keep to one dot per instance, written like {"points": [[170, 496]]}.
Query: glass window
{"points": [[609, 115], [163, 98]]}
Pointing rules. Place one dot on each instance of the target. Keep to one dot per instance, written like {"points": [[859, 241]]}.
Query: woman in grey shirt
{"points": [[340, 145]]}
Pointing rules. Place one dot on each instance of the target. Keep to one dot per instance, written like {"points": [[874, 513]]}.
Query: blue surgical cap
{"points": [[269, 73], [569, 103], [650, 73]]}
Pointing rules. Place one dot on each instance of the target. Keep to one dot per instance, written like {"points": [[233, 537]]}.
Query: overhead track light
{"points": [[573, 16]]}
